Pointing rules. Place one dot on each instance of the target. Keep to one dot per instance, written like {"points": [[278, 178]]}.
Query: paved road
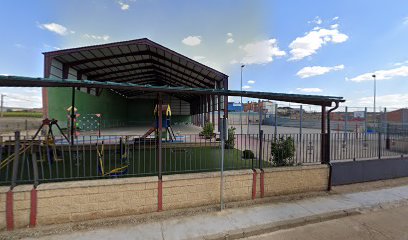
{"points": [[384, 224]]}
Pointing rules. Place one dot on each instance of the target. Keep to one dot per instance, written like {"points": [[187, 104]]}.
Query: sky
{"points": [[306, 46]]}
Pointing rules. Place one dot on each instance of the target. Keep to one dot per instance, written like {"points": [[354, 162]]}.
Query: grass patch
{"points": [[23, 114], [83, 164]]}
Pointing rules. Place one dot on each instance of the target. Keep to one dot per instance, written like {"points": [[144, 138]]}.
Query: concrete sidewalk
{"points": [[247, 221]]}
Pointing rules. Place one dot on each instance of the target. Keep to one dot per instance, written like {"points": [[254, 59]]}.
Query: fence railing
{"points": [[109, 156]]}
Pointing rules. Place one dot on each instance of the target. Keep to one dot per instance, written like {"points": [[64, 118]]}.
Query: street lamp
{"points": [[375, 83], [375, 92], [242, 105]]}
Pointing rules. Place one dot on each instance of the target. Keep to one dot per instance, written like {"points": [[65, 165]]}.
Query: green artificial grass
{"points": [[83, 164]]}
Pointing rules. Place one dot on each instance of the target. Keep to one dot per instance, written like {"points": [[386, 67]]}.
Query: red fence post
{"points": [[33, 209], [262, 185], [9, 211], [160, 196]]}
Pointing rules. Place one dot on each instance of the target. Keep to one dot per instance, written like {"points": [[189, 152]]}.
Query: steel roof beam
{"points": [[18, 81]]}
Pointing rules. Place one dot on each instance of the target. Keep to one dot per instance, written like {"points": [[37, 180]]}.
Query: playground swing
{"points": [[122, 170], [49, 141]]}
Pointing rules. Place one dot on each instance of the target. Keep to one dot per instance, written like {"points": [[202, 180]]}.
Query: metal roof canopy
{"points": [[139, 61], [19, 81]]}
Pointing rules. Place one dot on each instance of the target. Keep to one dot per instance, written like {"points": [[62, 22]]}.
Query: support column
{"points": [[323, 119], [200, 111], [203, 111], [226, 99], [72, 115], [219, 107], [47, 72], [323, 137], [213, 109], [159, 152], [65, 71], [208, 119]]}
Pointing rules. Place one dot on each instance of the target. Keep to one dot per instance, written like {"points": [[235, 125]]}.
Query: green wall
{"points": [[140, 111], [111, 106], [115, 109]]}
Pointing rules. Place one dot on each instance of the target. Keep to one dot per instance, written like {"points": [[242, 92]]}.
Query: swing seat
{"points": [[120, 171], [116, 172]]}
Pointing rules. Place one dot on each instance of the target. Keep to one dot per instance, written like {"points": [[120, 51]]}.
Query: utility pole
{"points": [[242, 105], [1, 105]]}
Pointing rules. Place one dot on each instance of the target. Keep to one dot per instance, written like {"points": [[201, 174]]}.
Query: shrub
{"points": [[230, 143], [282, 152], [248, 154], [208, 130]]}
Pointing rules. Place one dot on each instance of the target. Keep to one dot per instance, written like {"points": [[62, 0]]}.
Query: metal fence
{"points": [[126, 156], [306, 118]]}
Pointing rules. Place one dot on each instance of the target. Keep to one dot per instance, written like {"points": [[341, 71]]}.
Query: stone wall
{"points": [[92, 199], [290, 180]]}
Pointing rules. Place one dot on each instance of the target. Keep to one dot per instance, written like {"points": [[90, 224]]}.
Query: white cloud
{"points": [[205, 61], [317, 20], [56, 28], [123, 6], [309, 90], [405, 21], [382, 74], [335, 18], [4, 74], [198, 58], [97, 37], [230, 40], [51, 47], [246, 87], [19, 45], [192, 40], [261, 52], [312, 41], [251, 82], [22, 97], [334, 26], [401, 63], [307, 72], [234, 61], [398, 100]]}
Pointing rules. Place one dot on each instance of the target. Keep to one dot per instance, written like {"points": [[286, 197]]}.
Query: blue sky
{"points": [[309, 47]]}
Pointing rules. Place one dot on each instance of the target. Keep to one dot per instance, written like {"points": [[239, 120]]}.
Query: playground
{"points": [[149, 121], [137, 108]]}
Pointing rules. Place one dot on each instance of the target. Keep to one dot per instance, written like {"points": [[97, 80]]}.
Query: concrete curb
{"points": [[287, 224], [292, 223]]}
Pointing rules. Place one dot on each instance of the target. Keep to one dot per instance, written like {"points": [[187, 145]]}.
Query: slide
{"points": [[148, 132], [171, 133]]}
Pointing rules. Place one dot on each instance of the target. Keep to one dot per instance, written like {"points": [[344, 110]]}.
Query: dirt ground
{"points": [[8, 125]]}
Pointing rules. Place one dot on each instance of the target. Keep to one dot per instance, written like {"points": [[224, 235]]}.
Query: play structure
{"points": [[90, 122], [166, 123], [48, 143]]}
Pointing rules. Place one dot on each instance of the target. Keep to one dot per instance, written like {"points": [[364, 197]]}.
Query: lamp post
{"points": [[375, 92], [375, 89], [242, 105]]}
